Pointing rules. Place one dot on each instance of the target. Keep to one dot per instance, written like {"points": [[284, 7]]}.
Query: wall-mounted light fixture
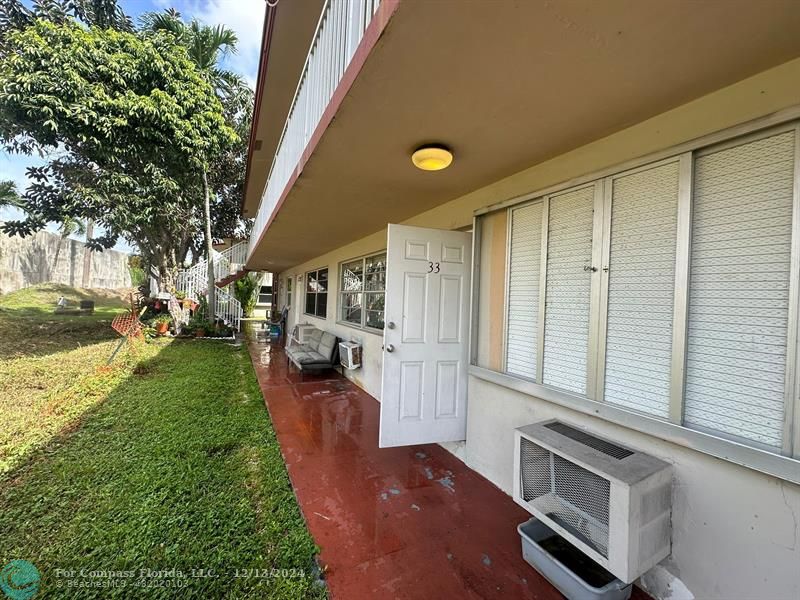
{"points": [[432, 157]]}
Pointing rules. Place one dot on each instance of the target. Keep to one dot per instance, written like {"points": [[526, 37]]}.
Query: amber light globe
{"points": [[432, 158]]}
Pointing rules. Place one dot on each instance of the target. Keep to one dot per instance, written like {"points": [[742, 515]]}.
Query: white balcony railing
{"points": [[339, 31]]}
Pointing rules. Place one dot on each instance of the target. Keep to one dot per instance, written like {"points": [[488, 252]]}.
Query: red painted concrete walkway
{"points": [[410, 522]]}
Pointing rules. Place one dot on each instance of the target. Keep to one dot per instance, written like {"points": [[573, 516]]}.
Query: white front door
{"points": [[426, 353]]}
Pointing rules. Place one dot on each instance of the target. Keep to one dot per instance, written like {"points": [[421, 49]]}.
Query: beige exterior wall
{"points": [[368, 376], [736, 532]]}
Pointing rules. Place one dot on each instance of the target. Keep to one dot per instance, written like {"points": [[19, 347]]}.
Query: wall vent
{"points": [[610, 502]]}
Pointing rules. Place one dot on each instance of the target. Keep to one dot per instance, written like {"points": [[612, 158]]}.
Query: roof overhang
{"points": [[288, 29], [506, 85]]}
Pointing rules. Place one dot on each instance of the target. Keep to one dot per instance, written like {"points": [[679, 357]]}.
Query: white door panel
{"points": [[424, 387]]}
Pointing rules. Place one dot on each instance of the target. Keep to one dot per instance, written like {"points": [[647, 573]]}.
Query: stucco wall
{"points": [[46, 257], [736, 532], [368, 376]]}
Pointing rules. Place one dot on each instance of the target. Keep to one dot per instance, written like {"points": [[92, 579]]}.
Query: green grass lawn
{"points": [[166, 461]]}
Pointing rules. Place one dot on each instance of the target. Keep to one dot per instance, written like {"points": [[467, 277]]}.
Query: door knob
{"points": [[390, 325], [389, 348]]}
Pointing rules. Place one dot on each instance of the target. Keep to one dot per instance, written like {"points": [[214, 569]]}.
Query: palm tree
{"points": [[9, 195], [207, 46]]}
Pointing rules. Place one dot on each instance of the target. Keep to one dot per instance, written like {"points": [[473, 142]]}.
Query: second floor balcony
{"points": [[339, 31], [349, 88]]}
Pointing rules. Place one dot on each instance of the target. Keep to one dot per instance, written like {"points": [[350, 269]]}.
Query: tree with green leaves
{"points": [[105, 14], [207, 45], [245, 291], [9, 195], [136, 123], [11, 198]]}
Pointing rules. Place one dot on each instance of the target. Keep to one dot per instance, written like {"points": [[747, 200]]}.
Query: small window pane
{"points": [[375, 319], [375, 282], [311, 303], [351, 307], [376, 273], [352, 276], [311, 283], [375, 301], [322, 305]]}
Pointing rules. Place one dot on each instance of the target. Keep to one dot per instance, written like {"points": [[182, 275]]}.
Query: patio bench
{"points": [[320, 352]]}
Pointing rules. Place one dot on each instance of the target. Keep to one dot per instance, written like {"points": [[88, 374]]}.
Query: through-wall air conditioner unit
{"points": [[350, 355], [610, 502]]}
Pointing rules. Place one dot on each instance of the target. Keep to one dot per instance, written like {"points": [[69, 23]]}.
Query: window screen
{"points": [[522, 332], [569, 281], [641, 284], [739, 289]]}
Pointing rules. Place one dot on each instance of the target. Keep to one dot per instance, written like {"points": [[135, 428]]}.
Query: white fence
{"points": [[339, 31]]}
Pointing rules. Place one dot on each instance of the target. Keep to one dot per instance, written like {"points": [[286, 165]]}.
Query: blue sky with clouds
{"points": [[245, 17]]}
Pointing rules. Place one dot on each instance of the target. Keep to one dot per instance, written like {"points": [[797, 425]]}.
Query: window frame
{"points": [[316, 294], [260, 293], [781, 462], [340, 293], [289, 292]]}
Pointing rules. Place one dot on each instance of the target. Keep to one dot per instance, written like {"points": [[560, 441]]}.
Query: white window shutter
{"points": [[739, 289], [523, 290], [568, 293], [641, 284]]}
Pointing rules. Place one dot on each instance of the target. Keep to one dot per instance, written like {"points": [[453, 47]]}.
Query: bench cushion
{"points": [[310, 359], [327, 345], [313, 341]]}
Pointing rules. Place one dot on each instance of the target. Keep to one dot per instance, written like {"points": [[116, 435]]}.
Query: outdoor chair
{"points": [[319, 353]]}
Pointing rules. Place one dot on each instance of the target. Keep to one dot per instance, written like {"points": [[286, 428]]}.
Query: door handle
{"points": [[390, 325], [389, 348]]}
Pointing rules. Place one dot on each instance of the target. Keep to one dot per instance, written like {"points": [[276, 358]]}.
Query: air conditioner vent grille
{"points": [[586, 439], [573, 497]]}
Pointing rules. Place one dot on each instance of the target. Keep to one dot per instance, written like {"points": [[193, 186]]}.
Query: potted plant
{"points": [[161, 324], [198, 325]]}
